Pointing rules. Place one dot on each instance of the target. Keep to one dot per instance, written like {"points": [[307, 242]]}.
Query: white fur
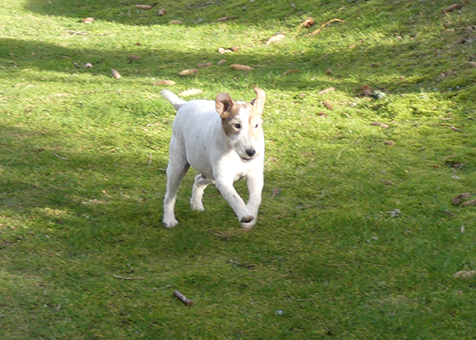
{"points": [[199, 140]]}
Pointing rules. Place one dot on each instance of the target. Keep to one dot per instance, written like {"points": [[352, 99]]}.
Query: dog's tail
{"points": [[173, 99]]}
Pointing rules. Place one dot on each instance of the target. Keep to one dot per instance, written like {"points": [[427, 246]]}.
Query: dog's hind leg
{"points": [[176, 170], [201, 183]]}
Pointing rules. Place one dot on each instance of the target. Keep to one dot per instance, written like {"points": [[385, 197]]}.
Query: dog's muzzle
{"points": [[251, 154]]}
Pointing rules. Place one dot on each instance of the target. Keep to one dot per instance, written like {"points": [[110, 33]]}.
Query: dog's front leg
{"points": [[255, 187], [229, 193]]}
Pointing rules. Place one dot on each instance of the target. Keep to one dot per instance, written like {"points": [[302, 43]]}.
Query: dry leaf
{"points": [[387, 182], [165, 82], [144, 7], [469, 203], [115, 74], [379, 124], [309, 22], [188, 72], [322, 114], [290, 71], [472, 63], [328, 105], [191, 92], [133, 57], [205, 64], [465, 274], [161, 12], [275, 38], [222, 50], [366, 91], [88, 20], [329, 72], [221, 62], [389, 142], [241, 67], [329, 89], [88, 65], [175, 22], [460, 198], [92, 202]]}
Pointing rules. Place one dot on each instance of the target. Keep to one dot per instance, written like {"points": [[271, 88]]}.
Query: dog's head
{"points": [[242, 122]]}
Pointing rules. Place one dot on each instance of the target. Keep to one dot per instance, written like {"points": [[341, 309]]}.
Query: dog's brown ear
{"points": [[258, 102], [223, 103]]}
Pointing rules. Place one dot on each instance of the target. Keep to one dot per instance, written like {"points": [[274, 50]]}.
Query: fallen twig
{"points": [[63, 158], [379, 124], [128, 278], [225, 19], [452, 8], [79, 33], [183, 298], [220, 234], [455, 129], [322, 26], [82, 33]]}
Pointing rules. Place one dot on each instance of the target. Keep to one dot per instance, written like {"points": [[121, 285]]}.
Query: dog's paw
{"points": [[248, 225], [247, 219], [170, 222], [197, 206], [247, 222]]}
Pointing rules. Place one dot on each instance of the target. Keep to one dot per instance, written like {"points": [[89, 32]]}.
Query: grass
{"points": [[82, 157]]}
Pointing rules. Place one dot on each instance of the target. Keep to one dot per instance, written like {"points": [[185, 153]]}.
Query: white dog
{"points": [[223, 140]]}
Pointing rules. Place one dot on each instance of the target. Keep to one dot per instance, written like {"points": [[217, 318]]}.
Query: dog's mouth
{"points": [[247, 159]]}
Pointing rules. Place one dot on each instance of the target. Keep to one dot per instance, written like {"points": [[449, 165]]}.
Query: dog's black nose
{"points": [[250, 152]]}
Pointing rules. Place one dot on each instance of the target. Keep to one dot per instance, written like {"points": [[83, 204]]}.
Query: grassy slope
{"points": [[81, 184]]}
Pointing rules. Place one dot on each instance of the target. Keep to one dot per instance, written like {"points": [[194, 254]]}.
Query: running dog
{"points": [[223, 141]]}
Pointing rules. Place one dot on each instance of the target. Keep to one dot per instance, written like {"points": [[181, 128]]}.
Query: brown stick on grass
{"points": [[316, 32], [183, 298], [128, 278]]}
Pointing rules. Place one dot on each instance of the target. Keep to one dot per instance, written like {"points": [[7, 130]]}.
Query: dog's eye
{"points": [[256, 126], [237, 126]]}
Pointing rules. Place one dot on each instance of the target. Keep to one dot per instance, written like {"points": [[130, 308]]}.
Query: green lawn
{"points": [[357, 236]]}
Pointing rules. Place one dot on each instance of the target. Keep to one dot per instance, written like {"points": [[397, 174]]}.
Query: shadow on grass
{"points": [[93, 202], [190, 12], [18, 54]]}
